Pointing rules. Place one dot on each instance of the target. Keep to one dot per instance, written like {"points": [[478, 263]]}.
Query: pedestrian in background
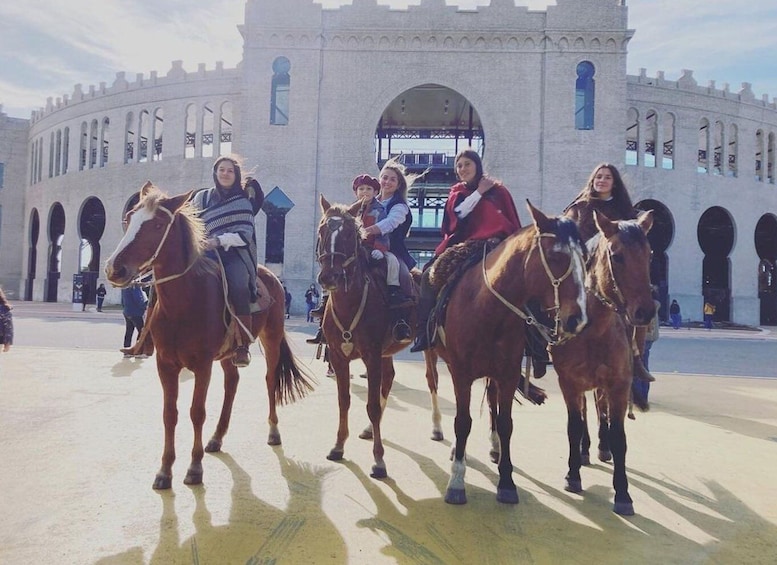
{"points": [[133, 303], [674, 314], [100, 293], [311, 299], [6, 323], [709, 312], [287, 298]]}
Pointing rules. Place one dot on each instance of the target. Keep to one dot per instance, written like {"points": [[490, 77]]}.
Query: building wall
{"points": [[13, 145]]}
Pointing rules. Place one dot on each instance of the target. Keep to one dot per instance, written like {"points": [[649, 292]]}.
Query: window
{"points": [[129, 139], [276, 206], [704, 143], [279, 96], [584, 96], [632, 137], [190, 132]]}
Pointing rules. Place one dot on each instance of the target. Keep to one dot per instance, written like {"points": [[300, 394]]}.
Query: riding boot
{"points": [[397, 298], [242, 357], [318, 338], [426, 304], [537, 349], [640, 372], [318, 312]]}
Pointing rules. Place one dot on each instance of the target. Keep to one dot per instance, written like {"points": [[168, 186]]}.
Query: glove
{"points": [[377, 254]]}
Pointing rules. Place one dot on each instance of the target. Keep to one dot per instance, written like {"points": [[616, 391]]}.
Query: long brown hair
{"points": [[620, 193]]}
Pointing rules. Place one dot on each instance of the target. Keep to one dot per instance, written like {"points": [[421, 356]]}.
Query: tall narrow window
{"points": [[190, 134], [156, 133], [58, 154], [51, 154], [702, 164], [225, 129], [129, 139], [667, 160], [93, 144], [759, 155], [632, 137], [719, 145], [207, 130], [770, 158], [732, 151], [651, 138], [104, 131], [143, 134], [84, 148], [584, 96], [279, 97], [65, 150]]}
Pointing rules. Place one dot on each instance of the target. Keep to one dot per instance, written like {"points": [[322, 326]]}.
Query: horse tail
{"points": [[292, 382]]}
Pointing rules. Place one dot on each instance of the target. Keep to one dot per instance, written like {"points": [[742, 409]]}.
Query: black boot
{"points": [[318, 338], [640, 372], [397, 298], [425, 306], [318, 312], [537, 349]]}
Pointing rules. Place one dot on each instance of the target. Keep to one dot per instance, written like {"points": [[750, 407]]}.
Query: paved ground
{"points": [[81, 433]]}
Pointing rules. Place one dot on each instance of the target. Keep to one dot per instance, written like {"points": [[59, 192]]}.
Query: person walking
{"points": [[311, 299], [640, 387], [100, 293], [6, 323], [709, 312], [287, 297], [675, 315], [133, 306]]}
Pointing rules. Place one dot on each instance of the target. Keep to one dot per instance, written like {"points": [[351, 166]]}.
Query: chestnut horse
{"points": [[357, 324], [600, 358], [188, 322], [484, 332]]}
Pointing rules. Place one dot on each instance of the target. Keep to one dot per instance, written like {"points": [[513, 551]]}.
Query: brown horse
{"points": [[188, 322], [600, 358], [357, 324], [484, 332]]}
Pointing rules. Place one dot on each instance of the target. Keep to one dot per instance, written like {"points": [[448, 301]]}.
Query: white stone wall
{"points": [[13, 147]]}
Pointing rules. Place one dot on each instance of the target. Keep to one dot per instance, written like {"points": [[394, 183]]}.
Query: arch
{"points": [[280, 92], [56, 232], [32, 253], [632, 137], [765, 239], [660, 237], [91, 226], [585, 92], [716, 236], [702, 163]]}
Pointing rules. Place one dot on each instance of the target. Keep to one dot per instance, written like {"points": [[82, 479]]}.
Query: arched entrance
{"points": [[660, 237], [32, 254], [425, 127], [91, 225], [766, 247], [56, 235], [715, 233]]}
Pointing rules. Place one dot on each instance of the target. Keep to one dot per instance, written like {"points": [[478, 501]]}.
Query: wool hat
{"points": [[368, 180]]}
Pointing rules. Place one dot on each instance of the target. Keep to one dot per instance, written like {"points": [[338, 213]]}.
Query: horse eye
{"points": [[617, 258]]}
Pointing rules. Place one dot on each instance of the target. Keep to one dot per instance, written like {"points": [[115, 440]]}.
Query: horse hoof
{"points": [[604, 456], [214, 446], [378, 472], [585, 459], [507, 496], [623, 508], [274, 439], [575, 486], [163, 482], [494, 456], [335, 455], [366, 434], [455, 496], [437, 436], [192, 478]]}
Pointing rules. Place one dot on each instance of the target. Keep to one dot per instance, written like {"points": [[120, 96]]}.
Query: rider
{"points": [[478, 207], [606, 193], [228, 211]]}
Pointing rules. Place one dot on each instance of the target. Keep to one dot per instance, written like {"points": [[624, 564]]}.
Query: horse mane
{"points": [[192, 229], [567, 232]]}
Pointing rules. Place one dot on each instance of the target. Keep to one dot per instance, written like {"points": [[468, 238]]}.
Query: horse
{"points": [[484, 331], [600, 358], [188, 323], [358, 324]]}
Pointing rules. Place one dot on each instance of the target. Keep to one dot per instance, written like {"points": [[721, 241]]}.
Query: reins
{"points": [[618, 309], [551, 335], [148, 264]]}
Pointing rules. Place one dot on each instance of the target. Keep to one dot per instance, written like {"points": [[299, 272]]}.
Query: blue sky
{"points": [[48, 46]]}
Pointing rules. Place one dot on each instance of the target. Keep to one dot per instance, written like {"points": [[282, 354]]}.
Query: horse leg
{"points": [[197, 415], [387, 380], [378, 388], [272, 380], [575, 424], [231, 379], [602, 412], [623, 504], [432, 380], [585, 442], [462, 424], [493, 411], [168, 377], [505, 490], [342, 369]]}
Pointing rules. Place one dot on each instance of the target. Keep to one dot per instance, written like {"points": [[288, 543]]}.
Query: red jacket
{"points": [[494, 216]]}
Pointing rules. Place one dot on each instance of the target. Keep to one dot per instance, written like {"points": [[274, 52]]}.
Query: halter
{"points": [[615, 307], [148, 264], [334, 225], [551, 335]]}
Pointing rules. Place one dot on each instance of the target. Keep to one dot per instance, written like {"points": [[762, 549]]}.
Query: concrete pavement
{"points": [[81, 433]]}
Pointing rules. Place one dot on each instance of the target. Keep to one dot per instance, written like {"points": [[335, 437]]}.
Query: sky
{"points": [[49, 46]]}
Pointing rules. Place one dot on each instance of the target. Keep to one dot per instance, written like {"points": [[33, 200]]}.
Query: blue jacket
{"points": [[133, 301]]}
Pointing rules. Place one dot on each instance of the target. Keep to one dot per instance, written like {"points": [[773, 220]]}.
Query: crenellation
{"points": [[120, 83]]}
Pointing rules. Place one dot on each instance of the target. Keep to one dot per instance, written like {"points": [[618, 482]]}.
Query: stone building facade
{"points": [[321, 94]]}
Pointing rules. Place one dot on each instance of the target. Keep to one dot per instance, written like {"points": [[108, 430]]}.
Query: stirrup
{"points": [[241, 358], [318, 338], [401, 332], [421, 343]]}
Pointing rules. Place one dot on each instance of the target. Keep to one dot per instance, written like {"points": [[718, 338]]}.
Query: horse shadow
{"points": [[125, 368], [256, 532]]}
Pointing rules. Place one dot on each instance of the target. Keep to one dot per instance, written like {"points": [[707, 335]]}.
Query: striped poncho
{"points": [[233, 214]]}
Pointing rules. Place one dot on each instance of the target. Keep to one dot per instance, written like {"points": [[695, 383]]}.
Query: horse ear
{"points": [[176, 202], [354, 209], [605, 224], [146, 188], [540, 220], [324, 204], [645, 220]]}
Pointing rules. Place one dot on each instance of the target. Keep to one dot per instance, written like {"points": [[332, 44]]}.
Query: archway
{"points": [[425, 126], [32, 253], [91, 225], [715, 233], [766, 247], [56, 235], [660, 237]]}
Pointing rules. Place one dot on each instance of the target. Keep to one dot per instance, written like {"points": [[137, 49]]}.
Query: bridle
{"points": [[335, 224], [619, 304], [554, 335]]}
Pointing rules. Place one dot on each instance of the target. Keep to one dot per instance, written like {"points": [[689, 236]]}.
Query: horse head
{"points": [[146, 229], [555, 273], [339, 243], [619, 269]]}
